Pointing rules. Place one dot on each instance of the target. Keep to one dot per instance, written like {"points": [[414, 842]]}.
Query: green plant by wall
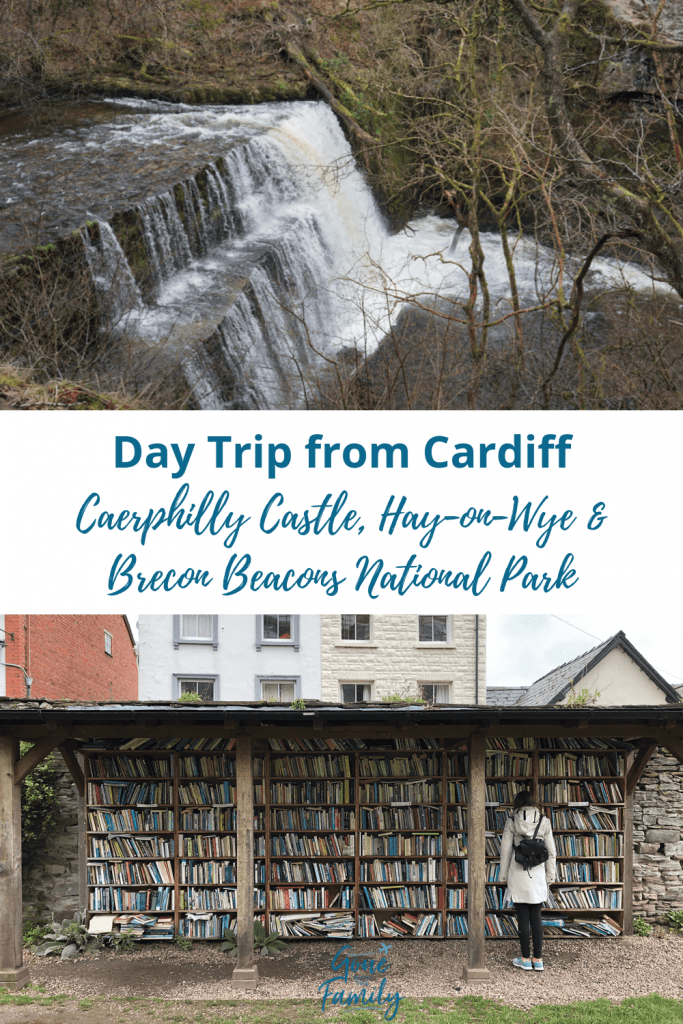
{"points": [[581, 699], [264, 943], [34, 928], [641, 927], [298, 705], [38, 799], [674, 919], [190, 698], [183, 943], [122, 942], [69, 938]]}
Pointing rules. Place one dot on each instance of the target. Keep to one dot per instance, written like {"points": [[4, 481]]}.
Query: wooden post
{"points": [[13, 975], [476, 856], [245, 974]]}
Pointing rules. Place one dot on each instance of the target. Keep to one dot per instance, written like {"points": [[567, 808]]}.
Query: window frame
{"points": [[293, 642], [356, 643], [178, 639], [180, 677], [428, 682], [109, 636], [434, 643], [280, 677], [366, 684]]}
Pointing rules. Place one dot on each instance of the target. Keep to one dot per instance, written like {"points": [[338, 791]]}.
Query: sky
{"points": [[522, 648]]}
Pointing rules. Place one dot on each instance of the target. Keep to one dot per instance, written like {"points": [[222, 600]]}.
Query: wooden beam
{"points": [[13, 975], [245, 974], [476, 858], [75, 770], [674, 746], [34, 756], [638, 766]]}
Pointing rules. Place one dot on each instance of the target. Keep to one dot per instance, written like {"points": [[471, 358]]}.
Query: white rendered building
{"points": [[229, 657]]}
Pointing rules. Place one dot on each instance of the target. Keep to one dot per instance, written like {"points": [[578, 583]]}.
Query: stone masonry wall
{"points": [[658, 838], [50, 867], [394, 661]]}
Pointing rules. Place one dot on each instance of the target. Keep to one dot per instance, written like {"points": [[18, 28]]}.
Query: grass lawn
{"points": [[32, 1005]]}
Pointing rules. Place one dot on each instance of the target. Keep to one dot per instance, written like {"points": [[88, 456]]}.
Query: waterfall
{"points": [[275, 255]]}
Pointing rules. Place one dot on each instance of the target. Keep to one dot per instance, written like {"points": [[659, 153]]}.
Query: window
{"points": [[195, 629], [277, 627], [354, 693], [204, 686], [282, 690], [355, 627], [108, 640], [435, 693], [433, 629]]}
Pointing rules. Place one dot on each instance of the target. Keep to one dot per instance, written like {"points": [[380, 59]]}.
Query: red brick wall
{"points": [[65, 656]]}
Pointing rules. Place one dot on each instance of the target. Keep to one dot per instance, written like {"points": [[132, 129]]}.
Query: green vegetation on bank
{"points": [[467, 1009]]}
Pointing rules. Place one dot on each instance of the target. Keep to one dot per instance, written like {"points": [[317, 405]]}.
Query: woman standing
{"points": [[528, 886]]}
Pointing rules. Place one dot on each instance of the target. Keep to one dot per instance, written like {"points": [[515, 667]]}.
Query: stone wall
{"points": [[658, 838], [50, 867]]}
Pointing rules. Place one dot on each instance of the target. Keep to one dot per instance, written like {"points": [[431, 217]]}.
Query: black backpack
{"points": [[531, 851]]}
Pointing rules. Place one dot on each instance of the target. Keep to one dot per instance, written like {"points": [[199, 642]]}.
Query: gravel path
{"points": [[575, 970]]}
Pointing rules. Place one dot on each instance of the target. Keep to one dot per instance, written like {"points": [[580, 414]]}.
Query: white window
{"points": [[435, 693], [204, 687], [433, 629], [282, 690], [108, 640], [196, 627], [277, 627], [354, 693], [355, 627]]}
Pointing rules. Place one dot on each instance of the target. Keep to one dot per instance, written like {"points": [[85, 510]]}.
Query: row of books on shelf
{"points": [[428, 870], [420, 896], [418, 765], [579, 764], [216, 899], [585, 899], [206, 743], [351, 744], [218, 766], [126, 846], [312, 871], [110, 792], [577, 792], [588, 819], [130, 873], [291, 844], [111, 898], [131, 820], [125, 767], [337, 766], [341, 792], [212, 793], [596, 845], [589, 871], [400, 926], [307, 926], [302, 898]]}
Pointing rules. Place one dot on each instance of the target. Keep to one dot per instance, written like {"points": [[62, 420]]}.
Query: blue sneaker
{"points": [[519, 961], [537, 964]]}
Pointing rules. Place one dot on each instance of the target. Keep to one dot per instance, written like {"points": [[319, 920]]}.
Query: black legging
{"points": [[530, 913]]}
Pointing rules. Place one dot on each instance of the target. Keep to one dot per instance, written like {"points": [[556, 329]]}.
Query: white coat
{"points": [[526, 886]]}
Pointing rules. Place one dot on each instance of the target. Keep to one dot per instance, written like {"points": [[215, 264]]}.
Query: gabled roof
{"points": [[502, 696], [554, 686]]}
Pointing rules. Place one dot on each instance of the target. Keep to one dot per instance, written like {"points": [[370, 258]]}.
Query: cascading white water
{"points": [[280, 254]]}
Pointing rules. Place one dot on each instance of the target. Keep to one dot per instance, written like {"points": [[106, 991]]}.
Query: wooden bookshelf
{"points": [[376, 834]]}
